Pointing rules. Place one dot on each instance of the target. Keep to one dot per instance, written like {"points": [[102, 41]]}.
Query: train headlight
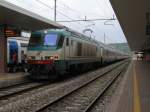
{"points": [[51, 57], [29, 58], [56, 57]]}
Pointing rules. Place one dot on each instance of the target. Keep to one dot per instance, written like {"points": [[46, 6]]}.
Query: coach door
{"points": [[13, 49]]}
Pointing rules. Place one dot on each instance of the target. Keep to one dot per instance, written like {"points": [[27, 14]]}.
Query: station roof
{"points": [[132, 15], [13, 15]]}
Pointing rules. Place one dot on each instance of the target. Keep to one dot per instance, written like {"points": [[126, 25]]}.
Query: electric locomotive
{"points": [[57, 51]]}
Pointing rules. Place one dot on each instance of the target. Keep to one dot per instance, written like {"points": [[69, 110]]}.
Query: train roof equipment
{"points": [[67, 31]]}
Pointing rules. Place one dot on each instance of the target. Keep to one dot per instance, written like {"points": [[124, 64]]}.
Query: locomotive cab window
{"points": [[35, 39], [50, 39]]}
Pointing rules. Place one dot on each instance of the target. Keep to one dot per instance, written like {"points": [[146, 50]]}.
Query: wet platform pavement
{"points": [[142, 69], [133, 94]]}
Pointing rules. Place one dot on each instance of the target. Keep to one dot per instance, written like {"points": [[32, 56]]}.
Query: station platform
{"points": [[133, 94], [9, 79]]}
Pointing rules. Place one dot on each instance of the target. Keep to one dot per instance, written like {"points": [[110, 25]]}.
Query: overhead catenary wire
{"points": [[57, 11], [60, 12], [53, 8], [108, 6], [75, 23], [103, 19], [64, 6], [67, 8], [84, 20], [102, 8]]}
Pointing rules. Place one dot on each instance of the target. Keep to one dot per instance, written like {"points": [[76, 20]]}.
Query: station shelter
{"points": [[14, 19]]}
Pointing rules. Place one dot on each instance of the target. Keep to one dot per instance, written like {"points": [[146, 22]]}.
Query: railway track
{"points": [[45, 96], [83, 98], [103, 102], [12, 91]]}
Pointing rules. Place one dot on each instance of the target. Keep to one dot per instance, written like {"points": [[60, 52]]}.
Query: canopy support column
{"points": [[3, 51]]}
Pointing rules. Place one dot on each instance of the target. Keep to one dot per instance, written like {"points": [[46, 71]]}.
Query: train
{"points": [[54, 52], [18, 46]]}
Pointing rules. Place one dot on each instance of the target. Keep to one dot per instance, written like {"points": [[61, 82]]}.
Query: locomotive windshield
{"points": [[35, 40], [47, 40], [50, 39]]}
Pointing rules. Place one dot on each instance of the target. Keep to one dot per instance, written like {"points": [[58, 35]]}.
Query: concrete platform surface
{"points": [[133, 94], [142, 69], [8, 79]]}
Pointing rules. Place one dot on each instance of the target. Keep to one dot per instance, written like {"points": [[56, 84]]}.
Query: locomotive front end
{"points": [[44, 51]]}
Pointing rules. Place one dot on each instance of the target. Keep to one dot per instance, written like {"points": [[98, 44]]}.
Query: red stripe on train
{"points": [[42, 62]]}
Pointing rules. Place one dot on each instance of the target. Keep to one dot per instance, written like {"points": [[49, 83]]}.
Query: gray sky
{"points": [[78, 9]]}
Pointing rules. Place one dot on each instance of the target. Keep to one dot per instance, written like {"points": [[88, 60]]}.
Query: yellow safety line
{"points": [[137, 105]]}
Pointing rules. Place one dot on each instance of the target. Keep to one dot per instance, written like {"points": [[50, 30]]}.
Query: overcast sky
{"points": [[78, 9]]}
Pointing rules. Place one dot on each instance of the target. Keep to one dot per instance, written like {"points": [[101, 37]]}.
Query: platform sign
{"points": [[9, 32], [12, 32], [148, 23]]}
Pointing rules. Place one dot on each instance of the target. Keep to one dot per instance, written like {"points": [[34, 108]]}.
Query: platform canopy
{"points": [[20, 18], [134, 18]]}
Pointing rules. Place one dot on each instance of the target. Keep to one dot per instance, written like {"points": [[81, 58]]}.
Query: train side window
{"points": [[67, 41]]}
